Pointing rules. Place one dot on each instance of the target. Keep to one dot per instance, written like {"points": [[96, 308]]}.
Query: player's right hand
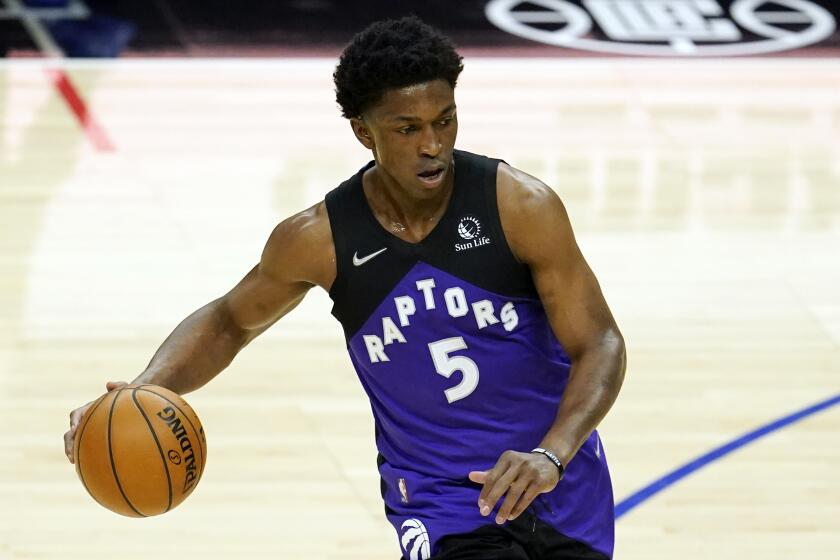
{"points": [[76, 416]]}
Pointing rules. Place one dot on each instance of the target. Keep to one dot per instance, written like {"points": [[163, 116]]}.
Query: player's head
{"points": [[392, 54], [395, 81]]}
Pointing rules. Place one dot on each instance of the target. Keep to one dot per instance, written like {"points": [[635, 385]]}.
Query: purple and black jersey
{"points": [[453, 347]]}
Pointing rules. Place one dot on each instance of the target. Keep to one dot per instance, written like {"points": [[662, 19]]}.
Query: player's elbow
{"points": [[606, 353], [616, 349]]}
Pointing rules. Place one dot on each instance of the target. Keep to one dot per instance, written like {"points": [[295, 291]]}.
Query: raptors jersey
{"points": [[453, 347]]}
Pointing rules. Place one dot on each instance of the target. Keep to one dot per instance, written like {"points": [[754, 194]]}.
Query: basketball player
{"points": [[476, 327]]}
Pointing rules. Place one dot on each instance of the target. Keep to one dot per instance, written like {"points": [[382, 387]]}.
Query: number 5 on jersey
{"points": [[446, 366]]}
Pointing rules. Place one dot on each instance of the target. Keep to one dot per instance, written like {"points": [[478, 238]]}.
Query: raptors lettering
{"points": [[456, 306]]}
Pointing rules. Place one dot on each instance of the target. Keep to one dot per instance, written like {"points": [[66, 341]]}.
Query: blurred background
{"points": [[147, 149], [201, 28]]}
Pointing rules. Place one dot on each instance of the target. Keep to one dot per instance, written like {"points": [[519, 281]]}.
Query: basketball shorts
{"points": [[436, 517], [524, 538]]}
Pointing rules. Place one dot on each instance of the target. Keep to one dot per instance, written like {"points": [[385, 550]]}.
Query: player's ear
{"points": [[362, 132]]}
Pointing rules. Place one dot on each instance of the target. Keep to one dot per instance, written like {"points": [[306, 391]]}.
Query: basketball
{"points": [[140, 450]]}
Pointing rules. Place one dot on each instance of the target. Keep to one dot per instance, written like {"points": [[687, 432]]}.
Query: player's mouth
{"points": [[433, 176]]}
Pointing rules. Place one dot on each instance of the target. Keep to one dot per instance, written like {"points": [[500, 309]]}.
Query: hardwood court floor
{"points": [[705, 194]]}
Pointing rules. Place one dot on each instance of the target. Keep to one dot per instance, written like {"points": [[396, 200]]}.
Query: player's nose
{"points": [[430, 144]]}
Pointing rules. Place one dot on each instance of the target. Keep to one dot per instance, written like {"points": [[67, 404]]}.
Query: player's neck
{"points": [[400, 210]]}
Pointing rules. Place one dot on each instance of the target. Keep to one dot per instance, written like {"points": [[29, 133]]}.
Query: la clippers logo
{"points": [[415, 539], [667, 27], [469, 228]]}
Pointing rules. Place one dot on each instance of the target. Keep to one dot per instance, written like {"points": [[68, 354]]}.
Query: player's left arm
{"points": [[540, 235]]}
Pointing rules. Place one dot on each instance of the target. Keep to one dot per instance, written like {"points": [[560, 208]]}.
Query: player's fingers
{"points": [[492, 492], [490, 477], [478, 476], [511, 499], [531, 492], [111, 385], [68, 445], [69, 435], [76, 415]]}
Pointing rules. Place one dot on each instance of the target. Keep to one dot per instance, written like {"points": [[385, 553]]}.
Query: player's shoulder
{"points": [[307, 226], [533, 217], [301, 246], [521, 195]]}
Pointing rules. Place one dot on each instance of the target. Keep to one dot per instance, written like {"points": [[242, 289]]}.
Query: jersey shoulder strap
{"points": [[473, 245], [369, 261]]}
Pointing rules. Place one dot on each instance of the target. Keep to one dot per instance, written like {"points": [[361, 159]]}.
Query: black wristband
{"points": [[553, 459]]}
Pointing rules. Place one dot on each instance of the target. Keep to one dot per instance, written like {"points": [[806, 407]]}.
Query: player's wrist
{"points": [[548, 454]]}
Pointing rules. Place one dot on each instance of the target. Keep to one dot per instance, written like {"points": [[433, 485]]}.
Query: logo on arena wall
{"points": [[667, 27], [415, 540]]}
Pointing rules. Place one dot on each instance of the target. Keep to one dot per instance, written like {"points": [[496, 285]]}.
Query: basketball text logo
{"points": [[171, 419]]}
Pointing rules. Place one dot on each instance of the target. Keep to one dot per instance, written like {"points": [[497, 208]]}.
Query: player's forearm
{"points": [[197, 350], [594, 382]]}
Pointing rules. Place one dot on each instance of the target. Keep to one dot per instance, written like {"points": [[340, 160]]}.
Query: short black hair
{"points": [[392, 54]]}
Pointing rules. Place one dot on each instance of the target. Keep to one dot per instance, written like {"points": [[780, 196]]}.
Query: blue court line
{"points": [[657, 486]]}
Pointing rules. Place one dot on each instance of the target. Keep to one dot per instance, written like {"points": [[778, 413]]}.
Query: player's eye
{"points": [[406, 130]]}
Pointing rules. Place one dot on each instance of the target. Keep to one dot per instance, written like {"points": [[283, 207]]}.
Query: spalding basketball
{"points": [[140, 450]]}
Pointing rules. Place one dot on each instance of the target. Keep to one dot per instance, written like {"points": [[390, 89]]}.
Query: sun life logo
{"points": [[415, 539], [469, 227]]}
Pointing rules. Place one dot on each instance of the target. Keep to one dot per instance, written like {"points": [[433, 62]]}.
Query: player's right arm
{"points": [[299, 254]]}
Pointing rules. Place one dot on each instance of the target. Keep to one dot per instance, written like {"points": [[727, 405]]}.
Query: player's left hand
{"points": [[523, 476]]}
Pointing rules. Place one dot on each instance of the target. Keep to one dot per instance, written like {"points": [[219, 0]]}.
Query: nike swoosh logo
{"points": [[359, 262]]}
